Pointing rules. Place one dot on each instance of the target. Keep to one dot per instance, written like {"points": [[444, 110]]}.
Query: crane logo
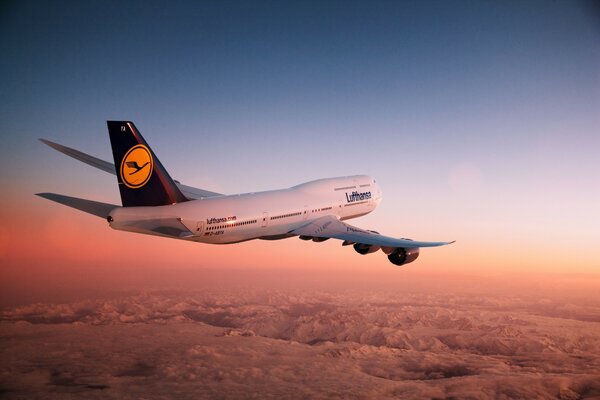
{"points": [[136, 167]]}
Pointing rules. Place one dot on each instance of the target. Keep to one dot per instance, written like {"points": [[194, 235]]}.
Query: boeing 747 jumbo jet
{"points": [[155, 204]]}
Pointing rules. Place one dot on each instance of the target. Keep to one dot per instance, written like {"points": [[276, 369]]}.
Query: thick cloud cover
{"points": [[298, 344]]}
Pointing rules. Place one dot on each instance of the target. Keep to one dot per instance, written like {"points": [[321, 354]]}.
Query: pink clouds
{"points": [[296, 343]]}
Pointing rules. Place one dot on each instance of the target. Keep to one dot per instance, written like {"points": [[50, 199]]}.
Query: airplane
{"points": [[155, 204]]}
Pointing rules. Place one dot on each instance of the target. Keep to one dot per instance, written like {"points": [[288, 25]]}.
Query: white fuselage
{"points": [[262, 215]]}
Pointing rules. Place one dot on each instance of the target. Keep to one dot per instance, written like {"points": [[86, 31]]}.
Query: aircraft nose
{"points": [[376, 192], [379, 194]]}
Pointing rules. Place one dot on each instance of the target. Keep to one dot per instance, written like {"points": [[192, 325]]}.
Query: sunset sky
{"points": [[480, 121]]}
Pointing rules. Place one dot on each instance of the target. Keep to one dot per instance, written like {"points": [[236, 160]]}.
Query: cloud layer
{"points": [[298, 344]]}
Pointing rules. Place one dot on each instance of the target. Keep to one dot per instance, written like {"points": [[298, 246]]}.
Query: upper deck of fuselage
{"points": [[326, 190], [336, 184]]}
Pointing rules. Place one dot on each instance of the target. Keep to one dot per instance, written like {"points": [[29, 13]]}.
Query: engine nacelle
{"points": [[365, 248], [402, 256]]}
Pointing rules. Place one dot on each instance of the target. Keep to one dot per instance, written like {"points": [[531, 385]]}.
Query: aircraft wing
{"points": [[188, 191], [331, 227]]}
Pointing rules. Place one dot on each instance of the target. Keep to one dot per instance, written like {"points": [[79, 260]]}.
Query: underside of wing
{"points": [[398, 251], [331, 227], [189, 191]]}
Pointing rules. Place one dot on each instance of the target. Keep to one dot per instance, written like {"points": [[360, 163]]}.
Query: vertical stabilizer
{"points": [[143, 181]]}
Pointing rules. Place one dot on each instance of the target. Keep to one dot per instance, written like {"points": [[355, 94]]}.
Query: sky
{"points": [[479, 120]]}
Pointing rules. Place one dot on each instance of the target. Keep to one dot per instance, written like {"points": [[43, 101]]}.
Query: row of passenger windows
{"points": [[351, 187], [344, 188], [241, 223], [321, 209], [300, 213], [296, 214], [286, 215]]}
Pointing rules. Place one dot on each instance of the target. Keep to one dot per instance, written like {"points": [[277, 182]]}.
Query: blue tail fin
{"points": [[143, 181]]}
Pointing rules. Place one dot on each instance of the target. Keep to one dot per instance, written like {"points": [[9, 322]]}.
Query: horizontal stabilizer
{"points": [[91, 207], [188, 191], [86, 158], [170, 227], [195, 193]]}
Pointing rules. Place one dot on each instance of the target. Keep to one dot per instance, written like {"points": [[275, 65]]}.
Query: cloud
{"points": [[299, 344]]}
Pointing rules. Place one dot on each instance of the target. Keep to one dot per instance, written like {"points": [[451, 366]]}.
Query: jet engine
{"points": [[402, 256], [365, 248]]}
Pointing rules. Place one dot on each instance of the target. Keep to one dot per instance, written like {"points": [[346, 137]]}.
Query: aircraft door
{"points": [[265, 219], [199, 228]]}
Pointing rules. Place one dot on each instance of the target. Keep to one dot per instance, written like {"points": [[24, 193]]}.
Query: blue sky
{"points": [[479, 119]]}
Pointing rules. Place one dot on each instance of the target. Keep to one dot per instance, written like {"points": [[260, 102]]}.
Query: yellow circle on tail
{"points": [[136, 167]]}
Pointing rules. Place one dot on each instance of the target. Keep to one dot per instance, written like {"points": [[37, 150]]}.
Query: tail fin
{"points": [[143, 181]]}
